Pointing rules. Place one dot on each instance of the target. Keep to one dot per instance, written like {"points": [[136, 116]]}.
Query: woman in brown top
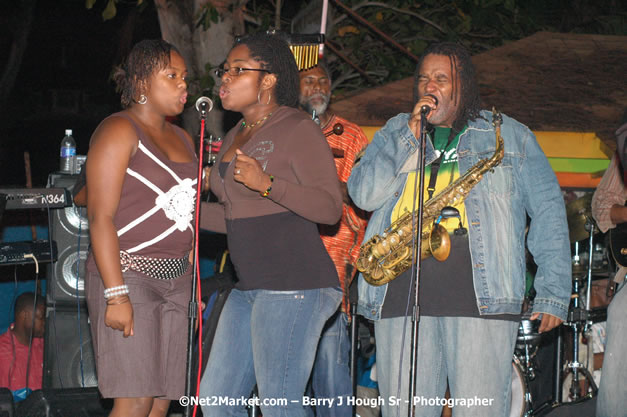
{"points": [[275, 179], [141, 172]]}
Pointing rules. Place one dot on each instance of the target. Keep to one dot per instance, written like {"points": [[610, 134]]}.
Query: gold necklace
{"points": [[250, 126]]}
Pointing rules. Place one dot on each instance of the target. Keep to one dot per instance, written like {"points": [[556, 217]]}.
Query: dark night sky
{"points": [[70, 50], [70, 54]]}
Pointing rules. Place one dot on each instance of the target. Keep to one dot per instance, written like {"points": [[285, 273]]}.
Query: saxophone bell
{"points": [[439, 243]]}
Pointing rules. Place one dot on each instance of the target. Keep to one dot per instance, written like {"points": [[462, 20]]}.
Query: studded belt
{"points": [[159, 268]]}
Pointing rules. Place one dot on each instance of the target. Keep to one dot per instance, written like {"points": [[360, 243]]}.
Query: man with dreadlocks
{"points": [[470, 304]]}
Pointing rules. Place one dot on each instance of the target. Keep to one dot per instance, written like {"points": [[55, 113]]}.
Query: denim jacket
{"points": [[522, 185]]}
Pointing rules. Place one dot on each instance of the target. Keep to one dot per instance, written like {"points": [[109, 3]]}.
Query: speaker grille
{"points": [[70, 230]]}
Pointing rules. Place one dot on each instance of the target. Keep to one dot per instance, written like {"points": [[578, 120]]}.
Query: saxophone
{"points": [[383, 258]]}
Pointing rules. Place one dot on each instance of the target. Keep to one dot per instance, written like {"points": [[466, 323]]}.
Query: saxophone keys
{"points": [[394, 240]]}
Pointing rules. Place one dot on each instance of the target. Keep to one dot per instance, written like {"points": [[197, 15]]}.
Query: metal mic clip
{"points": [[204, 105]]}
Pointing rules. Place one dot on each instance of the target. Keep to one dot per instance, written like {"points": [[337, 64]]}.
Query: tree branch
{"points": [[16, 54], [277, 15], [375, 29], [402, 11], [337, 52]]}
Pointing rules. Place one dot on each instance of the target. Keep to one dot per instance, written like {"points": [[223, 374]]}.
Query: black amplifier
{"points": [[16, 253], [25, 198]]}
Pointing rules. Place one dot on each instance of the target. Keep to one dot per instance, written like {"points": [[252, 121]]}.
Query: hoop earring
{"points": [[142, 99], [259, 97]]}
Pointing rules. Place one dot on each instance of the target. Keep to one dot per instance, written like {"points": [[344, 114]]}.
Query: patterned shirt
{"points": [[343, 239]]}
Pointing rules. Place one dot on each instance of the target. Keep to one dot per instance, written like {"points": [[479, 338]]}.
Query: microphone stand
{"points": [[417, 244], [193, 304]]}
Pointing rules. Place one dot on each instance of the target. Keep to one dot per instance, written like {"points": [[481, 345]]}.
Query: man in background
{"points": [[610, 213], [24, 340], [331, 374]]}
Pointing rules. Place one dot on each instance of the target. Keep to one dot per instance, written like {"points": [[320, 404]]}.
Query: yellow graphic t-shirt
{"points": [[448, 173]]}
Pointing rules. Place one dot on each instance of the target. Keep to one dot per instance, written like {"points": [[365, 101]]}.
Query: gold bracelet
{"points": [[118, 300]]}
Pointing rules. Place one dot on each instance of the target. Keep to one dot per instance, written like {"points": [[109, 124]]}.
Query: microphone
{"points": [[425, 109], [204, 105]]}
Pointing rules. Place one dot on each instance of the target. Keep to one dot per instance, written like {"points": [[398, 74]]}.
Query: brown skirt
{"points": [[151, 363]]}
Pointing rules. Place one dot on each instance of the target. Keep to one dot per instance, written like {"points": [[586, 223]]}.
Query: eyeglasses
{"points": [[235, 71]]}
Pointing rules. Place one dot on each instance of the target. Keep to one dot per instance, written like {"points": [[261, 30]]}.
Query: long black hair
{"points": [[463, 69], [146, 57], [274, 55]]}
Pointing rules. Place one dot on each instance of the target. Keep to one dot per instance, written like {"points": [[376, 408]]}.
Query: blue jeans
{"points": [[330, 377], [268, 338], [474, 354], [612, 397]]}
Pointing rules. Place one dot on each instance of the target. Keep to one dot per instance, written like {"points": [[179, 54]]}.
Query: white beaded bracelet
{"points": [[115, 291], [115, 294], [119, 287]]}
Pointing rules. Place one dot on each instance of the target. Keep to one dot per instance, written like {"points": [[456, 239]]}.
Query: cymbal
{"points": [[578, 213]]}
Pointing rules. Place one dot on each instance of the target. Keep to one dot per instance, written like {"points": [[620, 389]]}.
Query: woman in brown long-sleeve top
{"points": [[275, 180]]}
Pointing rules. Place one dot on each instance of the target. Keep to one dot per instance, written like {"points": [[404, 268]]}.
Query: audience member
{"points": [[23, 340]]}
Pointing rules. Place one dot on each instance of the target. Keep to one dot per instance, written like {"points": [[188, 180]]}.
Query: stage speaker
{"points": [[69, 360], [70, 230], [76, 402], [6, 403]]}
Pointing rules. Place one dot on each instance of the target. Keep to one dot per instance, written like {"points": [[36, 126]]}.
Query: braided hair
{"points": [[146, 57], [274, 55], [462, 68]]}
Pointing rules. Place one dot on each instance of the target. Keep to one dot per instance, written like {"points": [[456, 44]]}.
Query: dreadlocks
{"points": [[463, 70], [133, 75], [274, 55]]}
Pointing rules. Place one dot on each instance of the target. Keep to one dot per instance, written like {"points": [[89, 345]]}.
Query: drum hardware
{"points": [[527, 343], [524, 364], [521, 395], [599, 259], [522, 374], [579, 321], [600, 262], [578, 215], [579, 267], [580, 317]]}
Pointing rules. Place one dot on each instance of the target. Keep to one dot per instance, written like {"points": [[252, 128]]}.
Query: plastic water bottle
{"points": [[68, 153]]}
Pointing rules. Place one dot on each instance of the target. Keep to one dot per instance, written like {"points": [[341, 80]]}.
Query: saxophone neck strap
{"points": [[435, 165]]}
